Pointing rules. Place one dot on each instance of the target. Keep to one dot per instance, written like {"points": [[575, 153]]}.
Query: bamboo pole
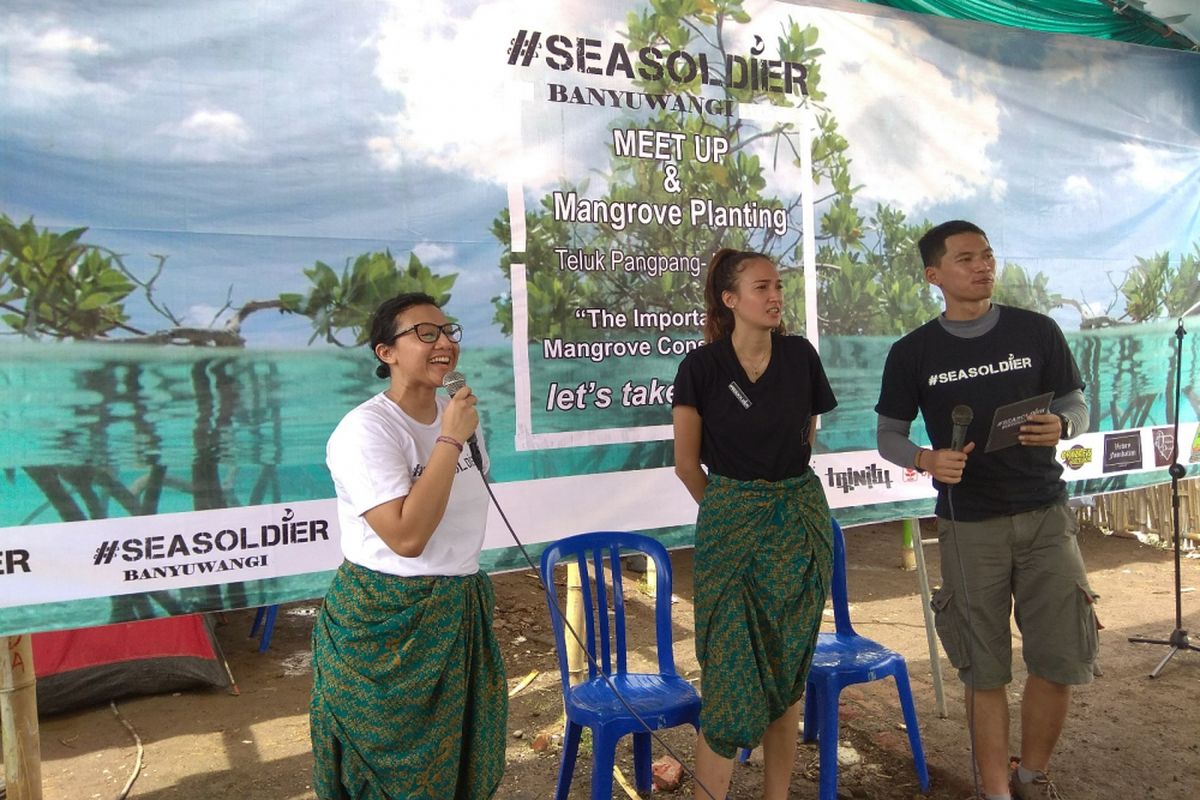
{"points": [[19, 720], [908, 558], [576, 659], [651, 577]]}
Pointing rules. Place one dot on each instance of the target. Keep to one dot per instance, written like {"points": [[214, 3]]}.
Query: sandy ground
{"points": [[1127, 737]]}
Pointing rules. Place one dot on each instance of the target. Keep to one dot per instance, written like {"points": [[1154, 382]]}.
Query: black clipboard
{"points": [[1007, 421]]}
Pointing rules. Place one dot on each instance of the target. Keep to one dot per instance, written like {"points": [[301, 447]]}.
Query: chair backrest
{"points": [[841, 602], [598, 555]]}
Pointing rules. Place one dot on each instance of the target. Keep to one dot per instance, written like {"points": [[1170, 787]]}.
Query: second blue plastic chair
{"points": [[842, 659], [662, 699]]}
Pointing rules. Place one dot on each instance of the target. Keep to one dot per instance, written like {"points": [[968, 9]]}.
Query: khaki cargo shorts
{"points": [[1029, 561]]}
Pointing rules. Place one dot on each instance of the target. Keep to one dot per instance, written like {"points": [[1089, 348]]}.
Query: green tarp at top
{"points": [[1119, 20]]}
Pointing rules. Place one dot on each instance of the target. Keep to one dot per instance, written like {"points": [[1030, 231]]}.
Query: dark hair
{"points": [[723, 270], [383, 322], [933, 244]]}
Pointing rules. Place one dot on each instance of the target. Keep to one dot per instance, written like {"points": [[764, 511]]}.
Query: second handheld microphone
{"points": [[452, 382]]}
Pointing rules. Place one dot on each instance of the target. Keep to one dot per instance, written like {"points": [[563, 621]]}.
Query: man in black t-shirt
{"points": [[1004, 531]]}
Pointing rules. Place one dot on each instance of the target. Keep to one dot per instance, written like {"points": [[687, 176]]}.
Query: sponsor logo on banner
{"points": [[1164, 446], [1122, 451], [1076, 456], [850, 479], [206, 552], [1195, 459], [861, 478]]}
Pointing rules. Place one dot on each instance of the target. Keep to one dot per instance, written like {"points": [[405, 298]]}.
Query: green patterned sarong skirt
{"points": [[409, 697], [764, 554]]}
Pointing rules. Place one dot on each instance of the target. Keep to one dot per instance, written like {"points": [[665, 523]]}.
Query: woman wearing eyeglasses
{"points": [[409, 694]]}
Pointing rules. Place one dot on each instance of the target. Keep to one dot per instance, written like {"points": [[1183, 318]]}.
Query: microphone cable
{"points": [[962, 416], [579, 640], [962, 574]]}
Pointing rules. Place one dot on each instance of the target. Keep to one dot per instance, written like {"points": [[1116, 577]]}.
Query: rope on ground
{"points": [[137, 765], [521, 684], [623, 782]]}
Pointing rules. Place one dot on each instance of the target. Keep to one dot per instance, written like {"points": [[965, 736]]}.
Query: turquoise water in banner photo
{"points": [[106, 431], [86, 427]]}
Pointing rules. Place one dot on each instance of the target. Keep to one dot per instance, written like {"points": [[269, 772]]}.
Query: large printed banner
{"points": [[200, 209]]}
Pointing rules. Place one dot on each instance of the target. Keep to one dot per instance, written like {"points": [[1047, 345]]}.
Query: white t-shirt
{"points": [[374, 455]]}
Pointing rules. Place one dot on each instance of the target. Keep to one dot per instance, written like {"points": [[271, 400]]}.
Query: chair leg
{"points": [[904, 688], [604, 756], [643, 777], [268, 628], [811, 724], [258, 618], [566, 767], [828, 702]]}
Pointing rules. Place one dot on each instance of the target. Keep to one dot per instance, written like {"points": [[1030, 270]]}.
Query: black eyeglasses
{"points": [[428, 332]]}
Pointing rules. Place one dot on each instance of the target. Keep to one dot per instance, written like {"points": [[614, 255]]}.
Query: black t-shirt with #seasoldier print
{"points": [[933, 371], [752, 431]]}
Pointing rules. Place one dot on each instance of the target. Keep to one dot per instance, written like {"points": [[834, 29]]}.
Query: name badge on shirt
{"points": [[739, 394]]}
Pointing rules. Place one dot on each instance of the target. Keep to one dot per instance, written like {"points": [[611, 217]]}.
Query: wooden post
{"points": [[913, 527], [576, 658], [19, 720]]}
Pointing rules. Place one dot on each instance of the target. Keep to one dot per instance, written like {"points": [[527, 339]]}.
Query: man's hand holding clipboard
{"points": [[1027, 422]]}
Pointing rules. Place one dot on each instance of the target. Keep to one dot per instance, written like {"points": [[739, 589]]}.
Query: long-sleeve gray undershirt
{"points": [[892, 435]]}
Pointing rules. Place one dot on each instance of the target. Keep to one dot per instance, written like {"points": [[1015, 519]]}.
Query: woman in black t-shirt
{"points": [[745, 406]]}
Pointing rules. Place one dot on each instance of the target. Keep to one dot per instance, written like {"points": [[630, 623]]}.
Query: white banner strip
{"points": [[127, 555]]}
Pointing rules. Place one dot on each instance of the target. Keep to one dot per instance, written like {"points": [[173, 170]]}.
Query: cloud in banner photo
{"points": [[210, 135], [921, 136], [912, 163], [453, 107], [46, 62]]}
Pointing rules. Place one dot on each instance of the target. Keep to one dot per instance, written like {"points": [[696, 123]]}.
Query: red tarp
{"points": [[93, 665]]}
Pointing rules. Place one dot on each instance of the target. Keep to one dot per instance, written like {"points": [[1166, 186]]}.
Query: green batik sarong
{"points": [[764, 553], [409, 696]]}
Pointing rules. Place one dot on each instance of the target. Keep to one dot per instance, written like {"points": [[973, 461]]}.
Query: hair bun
{"points": [[382, 371]]}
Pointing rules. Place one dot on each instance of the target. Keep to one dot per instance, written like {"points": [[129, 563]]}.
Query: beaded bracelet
{"points": [[451, 441]]}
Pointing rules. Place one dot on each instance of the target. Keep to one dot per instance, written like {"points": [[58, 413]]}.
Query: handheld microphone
{"points": [[452, 382], [961, 416]]}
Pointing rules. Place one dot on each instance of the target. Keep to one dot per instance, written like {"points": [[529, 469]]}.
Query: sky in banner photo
{"points": [[248, 142]]}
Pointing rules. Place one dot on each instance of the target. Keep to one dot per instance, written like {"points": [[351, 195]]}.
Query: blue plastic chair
{"points": [[265, 617], [662, 699]]}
